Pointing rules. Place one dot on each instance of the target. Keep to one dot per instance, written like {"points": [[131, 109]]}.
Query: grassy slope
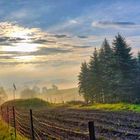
{"points": [[34, 103], [38, 103], [8, 135]]}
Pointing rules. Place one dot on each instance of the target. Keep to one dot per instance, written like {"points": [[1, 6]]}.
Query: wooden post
{"points": [[14, 121], [8, 116], [91, 130], [32, 126], [1, 113]]}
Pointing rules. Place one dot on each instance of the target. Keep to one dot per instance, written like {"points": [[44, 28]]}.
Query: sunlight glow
{"points": [[21, 47], [24, 58], [20, 34]]}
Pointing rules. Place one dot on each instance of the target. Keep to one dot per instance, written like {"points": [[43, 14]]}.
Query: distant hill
{"points": [[61, 95]]}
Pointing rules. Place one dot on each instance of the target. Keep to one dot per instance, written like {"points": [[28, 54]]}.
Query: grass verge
{"points": [[8, 134], [110, 107]]}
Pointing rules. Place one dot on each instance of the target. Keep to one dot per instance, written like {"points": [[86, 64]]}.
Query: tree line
{"points": [[35, 91], [112, 74]]}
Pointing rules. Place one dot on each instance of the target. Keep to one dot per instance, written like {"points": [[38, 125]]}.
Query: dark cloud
{"points": [[60, 36], [65, 45], [113, 24], [82, 36], [43, 41], [7, 41], [13, 52], [6, 44], [17, 63], [3, 39], [53, 63], [82, 46], [15, 39], [9, 63], [47, 51], [41, 51], [11, 39], [6, 57]]}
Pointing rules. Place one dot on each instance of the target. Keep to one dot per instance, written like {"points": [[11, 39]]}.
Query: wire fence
{"points": [[30, 126]]}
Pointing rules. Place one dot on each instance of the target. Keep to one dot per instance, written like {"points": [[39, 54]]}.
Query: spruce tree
{"points": [[84, 82], [112, 74], [94, 78], [124, 59], [107, 62], [138, 62], [137, 79], [125, 66]]}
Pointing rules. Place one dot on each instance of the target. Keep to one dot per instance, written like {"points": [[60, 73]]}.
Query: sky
{"points": [[44, 42]]}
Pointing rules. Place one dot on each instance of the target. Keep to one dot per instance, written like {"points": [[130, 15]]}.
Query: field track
{"points": [[72, 124]]}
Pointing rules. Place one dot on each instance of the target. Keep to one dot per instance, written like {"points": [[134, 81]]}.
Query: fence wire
{"points": [[42, 129]]}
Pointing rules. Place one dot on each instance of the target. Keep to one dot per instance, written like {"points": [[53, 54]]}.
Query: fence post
{"points": [[32, 126], [91, 130], [8, 116], [1, 112], [14, 121]]}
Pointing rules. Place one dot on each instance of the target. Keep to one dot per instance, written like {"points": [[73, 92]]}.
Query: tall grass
{"points": [[8, 134], [115, 107]]}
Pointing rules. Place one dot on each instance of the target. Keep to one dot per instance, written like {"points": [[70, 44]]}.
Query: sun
{"points": [[20, 43]]}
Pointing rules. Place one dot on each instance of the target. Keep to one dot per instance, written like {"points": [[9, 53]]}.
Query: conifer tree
{"points": [[124, 59], [112, 74], [137, 84], [106, 62], [124, 67], [84, 81], [94, 77]]}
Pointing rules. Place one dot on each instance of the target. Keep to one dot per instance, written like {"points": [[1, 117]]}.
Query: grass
{"points": [[36, 103], [6, 134], [33, 103], [112, 107]]}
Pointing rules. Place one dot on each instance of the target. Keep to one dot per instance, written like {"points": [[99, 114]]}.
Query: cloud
{"points": [[109, 24], [82, 46], [50, 51], [12, 52], [5, 57], [67, 24], [60, 36], [73, 21], [82, 36], [42, 63], [43, 41], [8, 41], [41, 51]]}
